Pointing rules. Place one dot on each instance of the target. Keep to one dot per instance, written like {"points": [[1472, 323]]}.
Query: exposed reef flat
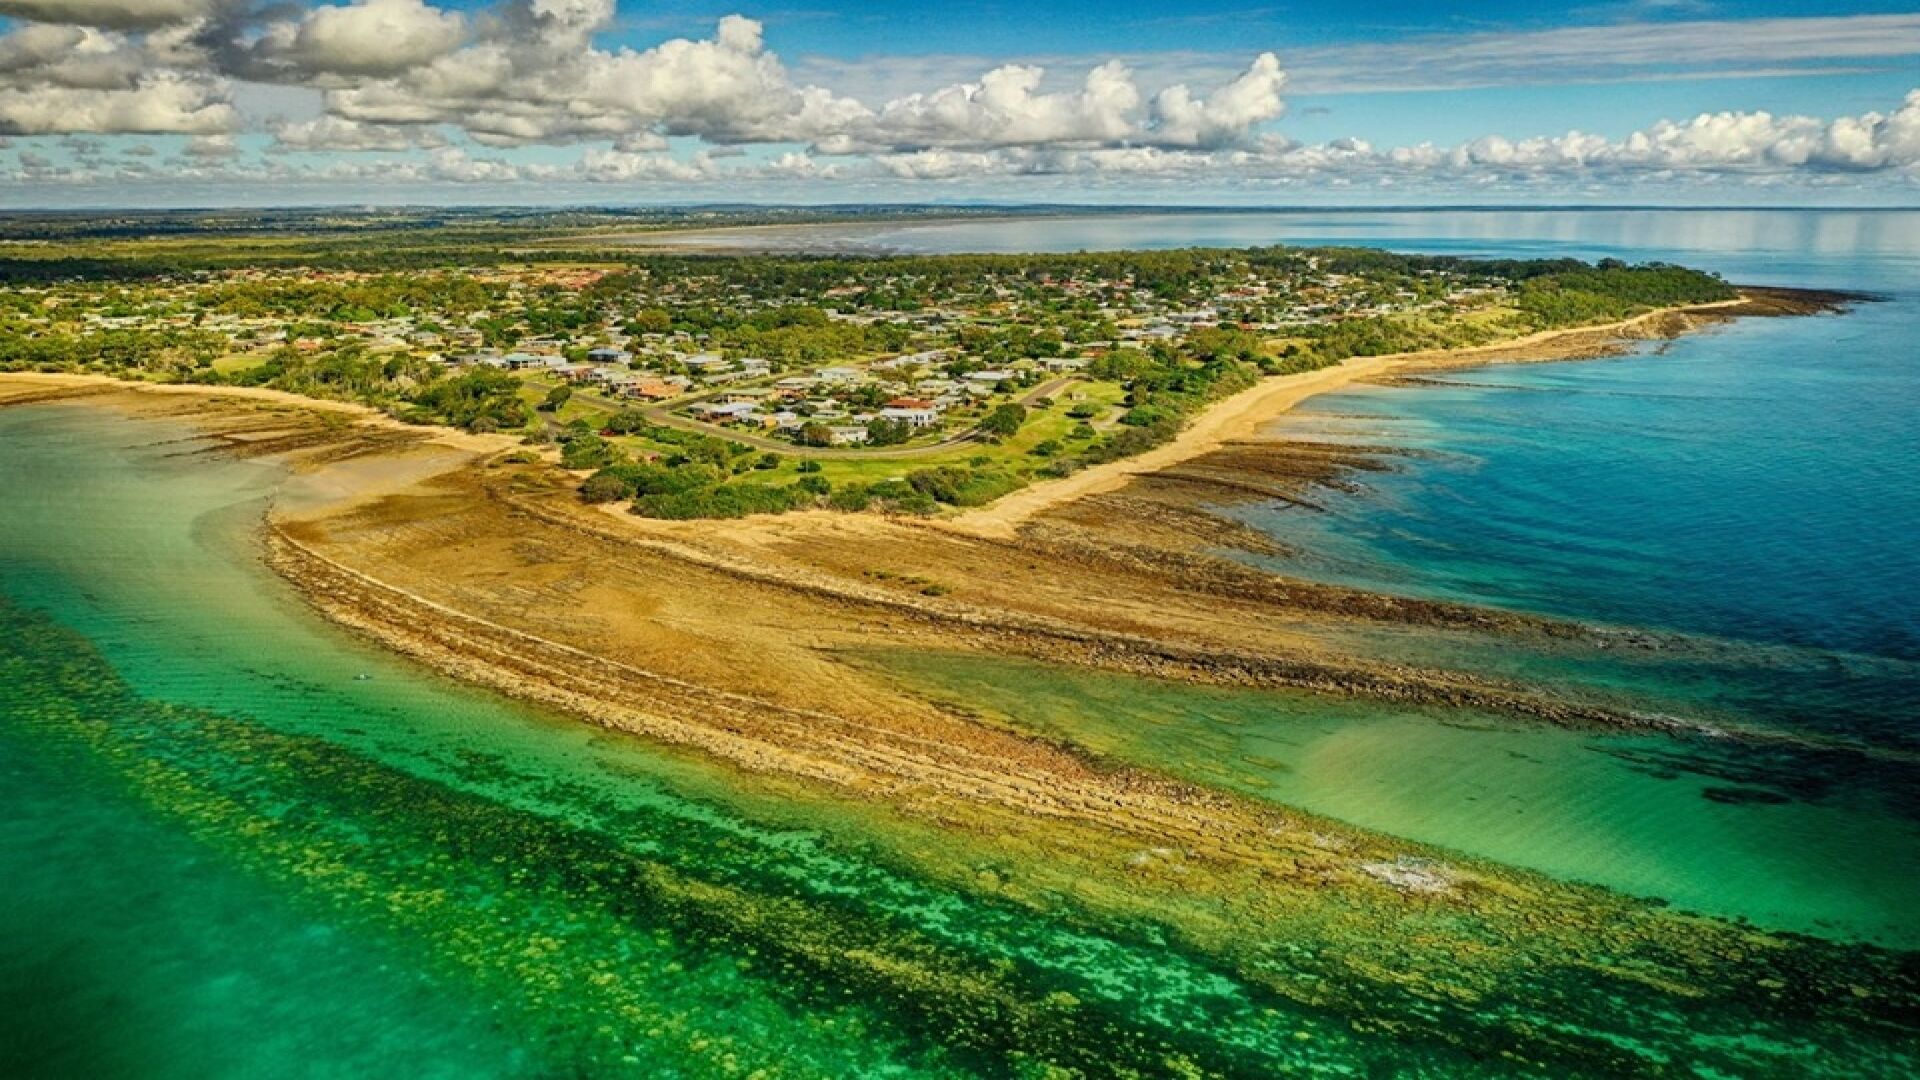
{"points": [[736, 642]]}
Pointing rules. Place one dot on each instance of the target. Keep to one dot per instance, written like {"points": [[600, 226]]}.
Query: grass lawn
{"points": [[228, 365]]}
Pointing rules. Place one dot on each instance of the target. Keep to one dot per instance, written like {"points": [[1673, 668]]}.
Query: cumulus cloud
{"points": [[114, 14], [1005, 108], [1180, 119], [1711, 144], [530, 71], [529, 74], [160, 104], [368, 37], [432, 83]]}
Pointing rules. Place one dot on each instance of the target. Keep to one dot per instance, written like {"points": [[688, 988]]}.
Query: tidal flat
{"points": [[1000, 905], [1389, 738]]}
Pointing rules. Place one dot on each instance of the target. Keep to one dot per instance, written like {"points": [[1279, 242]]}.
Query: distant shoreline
{"points": [[677, 238]]}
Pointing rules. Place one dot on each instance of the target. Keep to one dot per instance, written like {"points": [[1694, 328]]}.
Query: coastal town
{"points": [[714, 386]]}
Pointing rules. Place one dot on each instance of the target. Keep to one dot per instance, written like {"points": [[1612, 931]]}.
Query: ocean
{"points": [[241, 842]]}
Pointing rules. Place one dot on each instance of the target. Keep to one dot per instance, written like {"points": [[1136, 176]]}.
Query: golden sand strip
{"points": [[1242, 415]]}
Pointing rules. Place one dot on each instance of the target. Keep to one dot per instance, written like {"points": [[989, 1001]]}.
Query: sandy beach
{"points": [[727, 635], [750, 643], [1242, 415]]}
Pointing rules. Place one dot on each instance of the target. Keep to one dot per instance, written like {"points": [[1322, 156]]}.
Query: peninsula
{"points": [[511, 471]]}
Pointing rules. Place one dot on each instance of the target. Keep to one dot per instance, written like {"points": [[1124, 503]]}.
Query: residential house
{"points": [[925, 417]]}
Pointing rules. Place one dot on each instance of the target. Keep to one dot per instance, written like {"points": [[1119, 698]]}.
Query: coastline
{"points": [[739, 642], [880, 562], [1300, 908], [1244, 414], [403, 532]]}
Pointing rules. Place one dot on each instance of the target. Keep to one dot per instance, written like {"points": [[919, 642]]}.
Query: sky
{"points": [[1312, 102]]}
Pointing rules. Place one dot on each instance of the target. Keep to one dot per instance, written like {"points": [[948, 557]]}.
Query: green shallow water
{"points": [[228, 853], [1730, 830]]}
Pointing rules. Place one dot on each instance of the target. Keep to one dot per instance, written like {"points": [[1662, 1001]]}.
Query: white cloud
{"points": [[411, 78], [1228, 115], [115, 14], [160, 104], [214, 147], [368, 37], [330, 133], [614, 166], [1004, 109]]}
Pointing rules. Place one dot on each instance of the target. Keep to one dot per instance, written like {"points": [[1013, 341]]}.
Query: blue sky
{"points": [[1682, 101]]}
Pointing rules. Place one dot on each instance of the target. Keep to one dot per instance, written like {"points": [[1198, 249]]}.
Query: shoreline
{"points": [[1244, 414], [488, 574], [730, 638], [439, 518]]}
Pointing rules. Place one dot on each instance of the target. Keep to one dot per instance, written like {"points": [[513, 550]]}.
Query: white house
{"points": [[917, 418]]}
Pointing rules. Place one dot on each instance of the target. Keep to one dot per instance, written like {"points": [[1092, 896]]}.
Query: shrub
{"points": [[661, 479], [851, 498], [720, 501], [604, 487], [960, 487], [888, 432], [588, 452], [628, 422]]}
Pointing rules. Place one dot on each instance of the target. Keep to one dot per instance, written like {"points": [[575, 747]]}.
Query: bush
{"points": [[720, 501], [588, 452], [850, 499], [480, 400], [628, 422], [961, 487], [604, 487], [1146, 416], [888, 432]]}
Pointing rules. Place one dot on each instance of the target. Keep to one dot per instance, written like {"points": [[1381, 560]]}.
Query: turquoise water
{"points": [[1815, 843], [1739, 505], [240, 843], [1750, 487], [226, 853]]}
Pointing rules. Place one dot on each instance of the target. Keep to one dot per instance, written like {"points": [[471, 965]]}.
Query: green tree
{"points": [[1004, 421]]}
